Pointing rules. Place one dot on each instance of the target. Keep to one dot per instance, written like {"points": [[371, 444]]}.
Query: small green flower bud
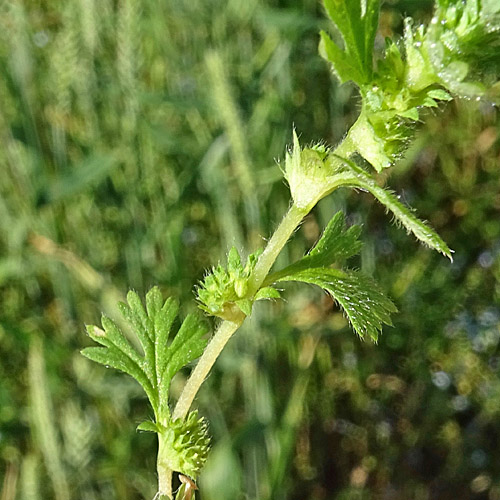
{"points": [[184, 445], [308, 173]]}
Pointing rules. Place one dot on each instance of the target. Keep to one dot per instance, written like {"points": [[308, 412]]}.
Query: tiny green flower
{"points": [[310, 173]]}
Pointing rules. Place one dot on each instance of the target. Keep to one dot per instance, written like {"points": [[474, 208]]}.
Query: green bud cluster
{"points": [[184, 444], [223, 289], [309, 172], [463, 45], [225, 292]]}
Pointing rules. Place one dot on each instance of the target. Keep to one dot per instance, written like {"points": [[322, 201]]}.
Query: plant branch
{"points": [[207, 360], [278, 240], [227, 328], [164, 472]]}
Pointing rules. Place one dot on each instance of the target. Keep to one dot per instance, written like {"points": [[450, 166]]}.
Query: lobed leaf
{"points": [[358, 27], [112, 356], [365, 305], [335, 245], [402, 213], [163, 324], [161, 360], [187, 345]]}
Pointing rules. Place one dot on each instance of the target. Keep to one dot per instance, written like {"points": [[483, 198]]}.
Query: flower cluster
{"points": [[185, 444]]}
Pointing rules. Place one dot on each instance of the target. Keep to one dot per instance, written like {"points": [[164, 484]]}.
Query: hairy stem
{"points": [[227, 328], [164, 474], [278, 240], [207, 360]]}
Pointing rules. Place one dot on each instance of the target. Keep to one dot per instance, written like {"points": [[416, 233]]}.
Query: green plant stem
{"points": [[278, 240], [227, 328], [164, 473], [207, 360]]}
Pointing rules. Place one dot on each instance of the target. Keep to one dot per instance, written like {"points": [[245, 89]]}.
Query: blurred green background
{"points": [[138, 143]]}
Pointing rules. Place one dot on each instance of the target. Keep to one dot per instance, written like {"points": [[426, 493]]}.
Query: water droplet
{"points": [[441, 380], [485, 259], [460, 403]]}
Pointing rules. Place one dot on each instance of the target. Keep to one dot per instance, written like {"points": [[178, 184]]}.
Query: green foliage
{"points": [[358, 25], [402, 214], [84, 80], [359, 296], [186, 443], [458, 54], [335, 246], [152, 326]]}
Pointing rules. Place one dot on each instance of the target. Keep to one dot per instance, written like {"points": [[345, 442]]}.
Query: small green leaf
{"points": [[154, 302], [139, 313], [163, 324], [161, 360], [245, 306], [342, 65], [358, 28], [403, 214], [335, 245], [366, 307], [112, 357], [440, 95], [187, 345], [268, 292], [411, 114], [233, 260], [116, 337], [139, 330], [149, 426]]}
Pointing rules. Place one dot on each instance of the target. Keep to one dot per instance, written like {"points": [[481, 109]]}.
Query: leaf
{"points": [[161, 360], [135, 317], [336, 244], [163, 322], [267, 292], [111, 356], [342, 64], [187, 345], [358, 28], [366, 307], [149, 426], [116, 337], [245, 305], [402, 213]]}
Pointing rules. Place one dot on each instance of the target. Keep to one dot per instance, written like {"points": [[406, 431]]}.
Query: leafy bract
{"points": [[161, 359], [357, 22], [335, 245], [365, 305], [402, 213], [359, 296]]}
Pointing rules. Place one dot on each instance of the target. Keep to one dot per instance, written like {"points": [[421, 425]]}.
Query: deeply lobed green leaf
{"points": [[357, 22], [365, 305], [161, 360], [335, 246], [402, 213]]}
